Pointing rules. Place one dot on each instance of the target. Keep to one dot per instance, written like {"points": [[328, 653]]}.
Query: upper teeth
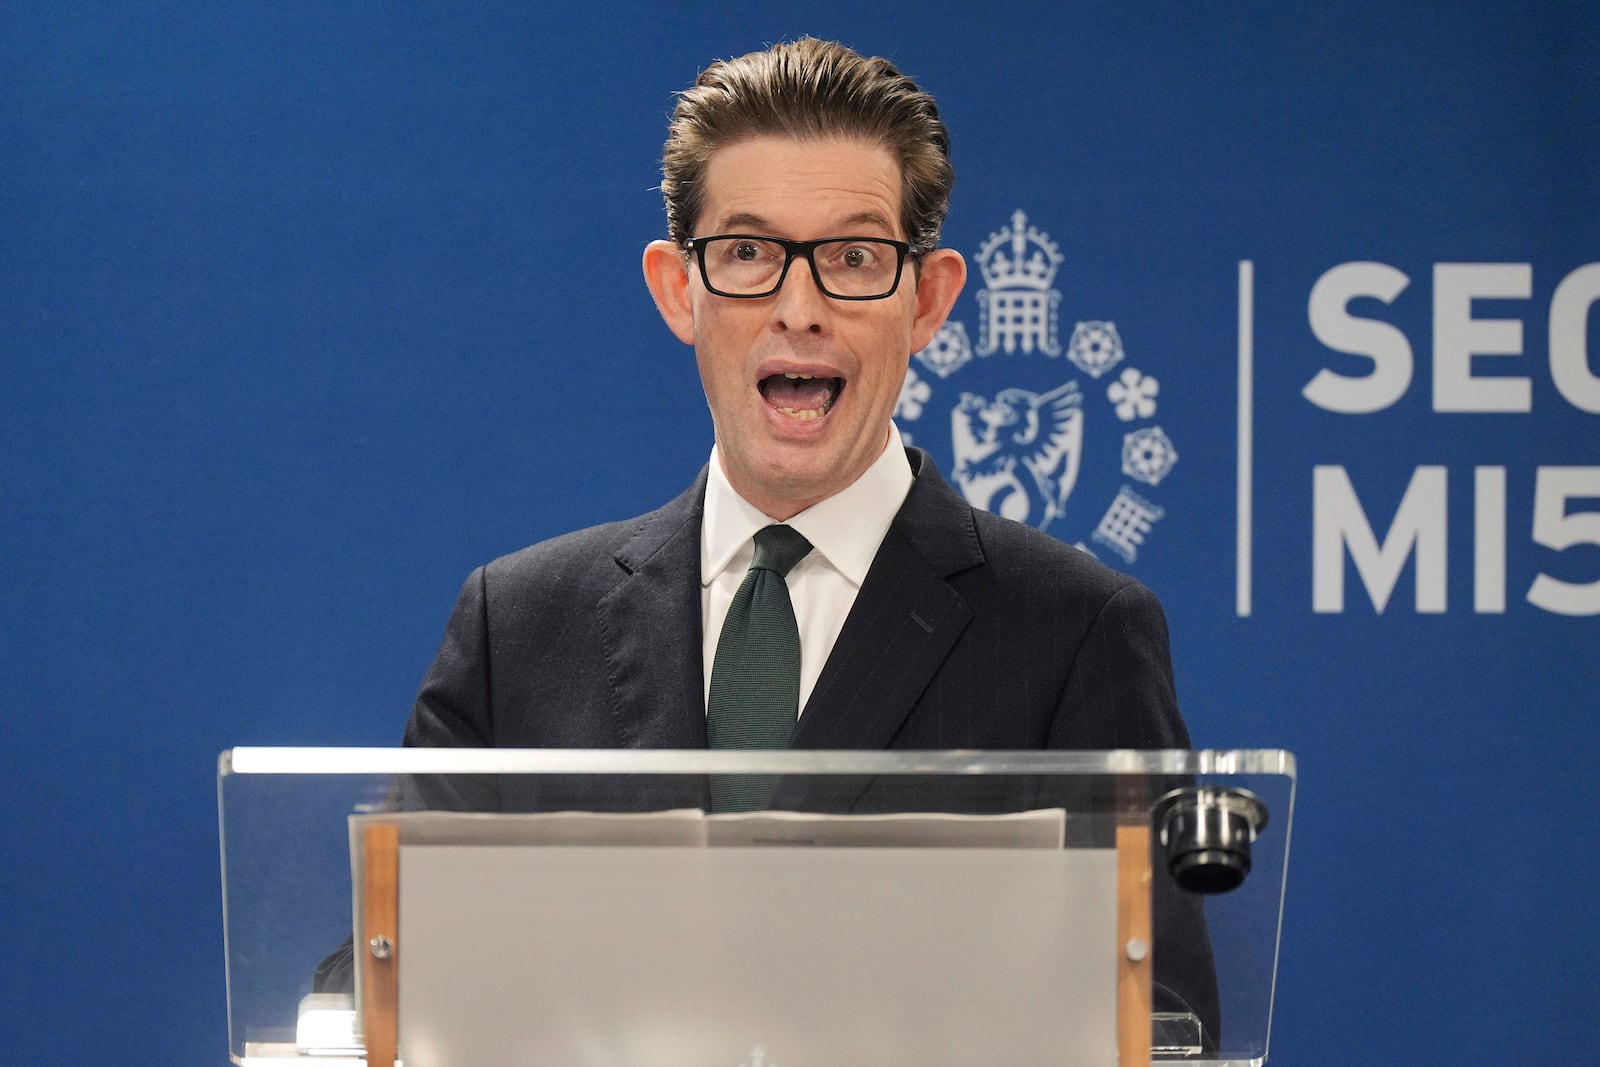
{"points": [[798, 377]]}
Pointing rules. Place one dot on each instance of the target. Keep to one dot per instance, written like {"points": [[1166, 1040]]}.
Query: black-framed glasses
{"points": [[746, 266]]}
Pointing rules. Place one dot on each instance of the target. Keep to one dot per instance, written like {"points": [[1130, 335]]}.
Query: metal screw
{"points": [[382, 948], [1137, 950]]}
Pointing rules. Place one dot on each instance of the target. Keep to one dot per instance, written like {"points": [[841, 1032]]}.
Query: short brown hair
{"points": [[809, 89]]}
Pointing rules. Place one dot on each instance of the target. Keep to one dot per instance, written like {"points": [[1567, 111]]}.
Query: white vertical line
{"points": [[1244, 516], [1489, 541]]}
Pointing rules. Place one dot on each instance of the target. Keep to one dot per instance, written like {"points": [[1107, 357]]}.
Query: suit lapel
{"points": [[904, 622], [651, 623]]}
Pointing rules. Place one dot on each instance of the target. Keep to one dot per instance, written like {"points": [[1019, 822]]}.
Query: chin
{"points": [[799, 485]]}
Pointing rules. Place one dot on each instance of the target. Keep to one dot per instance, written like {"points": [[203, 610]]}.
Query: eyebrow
{"points": [[758, 224]]}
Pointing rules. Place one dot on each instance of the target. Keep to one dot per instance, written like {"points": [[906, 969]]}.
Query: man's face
{"points": [[801, 386]]}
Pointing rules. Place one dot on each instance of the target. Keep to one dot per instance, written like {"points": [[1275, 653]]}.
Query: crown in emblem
{"points": [[1020, 257]]}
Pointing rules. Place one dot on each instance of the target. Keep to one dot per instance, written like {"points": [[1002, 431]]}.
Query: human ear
{"points": [[667, 277], [943, 274]]}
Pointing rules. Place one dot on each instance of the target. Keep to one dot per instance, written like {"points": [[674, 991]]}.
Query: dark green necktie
{"points": [[755, 678]]}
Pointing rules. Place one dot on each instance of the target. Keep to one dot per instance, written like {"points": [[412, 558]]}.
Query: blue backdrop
{"points": [[292, 293]]}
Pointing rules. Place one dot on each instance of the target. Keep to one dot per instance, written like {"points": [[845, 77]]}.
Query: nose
{"points": [[800, 304]]}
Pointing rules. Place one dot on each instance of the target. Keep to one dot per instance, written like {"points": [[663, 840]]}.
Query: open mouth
{"points": [[800, 396]]}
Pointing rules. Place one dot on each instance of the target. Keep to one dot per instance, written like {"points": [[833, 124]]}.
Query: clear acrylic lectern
{"points": [[576, 908]]}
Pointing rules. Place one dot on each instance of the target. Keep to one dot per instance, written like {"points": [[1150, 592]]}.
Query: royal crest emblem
{"points": [[1028, 437]]}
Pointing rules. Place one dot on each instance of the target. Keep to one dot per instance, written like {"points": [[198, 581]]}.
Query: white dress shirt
{"points": [[845, 531]]}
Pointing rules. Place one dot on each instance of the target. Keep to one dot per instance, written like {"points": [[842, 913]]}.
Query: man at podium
{"points": [[819, 585], [805, 189]]}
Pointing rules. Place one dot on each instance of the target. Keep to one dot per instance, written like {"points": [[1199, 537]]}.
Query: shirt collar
{"points": [[845, 529]]}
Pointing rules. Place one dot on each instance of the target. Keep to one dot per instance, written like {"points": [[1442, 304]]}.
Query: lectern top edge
{"points": [[313, 761]]}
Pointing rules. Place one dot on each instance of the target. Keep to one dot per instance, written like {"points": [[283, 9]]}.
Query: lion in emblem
{"points": [[1018, 454]]}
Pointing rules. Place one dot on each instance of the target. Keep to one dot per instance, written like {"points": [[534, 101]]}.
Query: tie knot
{"points": [[779, 548]]}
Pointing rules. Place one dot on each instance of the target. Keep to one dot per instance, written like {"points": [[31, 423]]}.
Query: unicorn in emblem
{"points": [[1018, 455]]}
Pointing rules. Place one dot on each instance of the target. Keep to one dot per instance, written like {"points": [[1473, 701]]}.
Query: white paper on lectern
{"points": [[692, 827], [904, 940], [1041, 828]]}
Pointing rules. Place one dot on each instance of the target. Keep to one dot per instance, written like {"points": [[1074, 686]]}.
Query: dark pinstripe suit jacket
{"points": [[969, 632]]}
